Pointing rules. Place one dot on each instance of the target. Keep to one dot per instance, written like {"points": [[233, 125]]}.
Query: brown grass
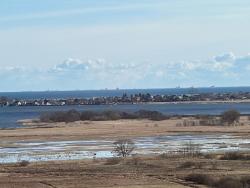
{"points": [[137, 171], [113, 130]]}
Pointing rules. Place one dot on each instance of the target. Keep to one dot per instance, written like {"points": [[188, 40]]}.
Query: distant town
{"points": [[129, 99]]}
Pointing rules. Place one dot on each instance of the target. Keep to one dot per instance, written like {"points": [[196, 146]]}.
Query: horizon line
{"points": [[117, 89]]}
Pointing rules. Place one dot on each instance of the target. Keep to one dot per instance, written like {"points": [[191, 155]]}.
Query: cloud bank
{"points": [[222, 70]]}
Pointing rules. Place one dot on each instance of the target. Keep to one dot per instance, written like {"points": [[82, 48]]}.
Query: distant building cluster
{"points": [[127, 99]]}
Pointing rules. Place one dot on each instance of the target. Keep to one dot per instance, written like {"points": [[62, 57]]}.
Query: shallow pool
{"points": [[87, 149]]}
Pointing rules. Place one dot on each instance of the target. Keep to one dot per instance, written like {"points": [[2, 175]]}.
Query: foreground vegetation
{"points": [[177, 171]]}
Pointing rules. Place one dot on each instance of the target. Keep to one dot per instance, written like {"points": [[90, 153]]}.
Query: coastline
{"points": [[201, 102], [153, 103]]}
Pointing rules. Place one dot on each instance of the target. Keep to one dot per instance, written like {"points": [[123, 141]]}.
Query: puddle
{"points": [[82, 149]]}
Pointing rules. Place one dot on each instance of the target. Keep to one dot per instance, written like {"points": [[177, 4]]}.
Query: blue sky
{"points": [[96, 44]]}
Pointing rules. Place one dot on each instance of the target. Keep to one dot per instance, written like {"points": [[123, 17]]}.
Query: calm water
{"points": [[9, 115]]}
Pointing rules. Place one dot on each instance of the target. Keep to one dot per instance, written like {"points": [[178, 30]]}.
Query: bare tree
{"points": [[123, 147]]}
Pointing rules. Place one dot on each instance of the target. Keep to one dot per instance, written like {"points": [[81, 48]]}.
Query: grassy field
{"points": [[133, 172], [81, 130]]}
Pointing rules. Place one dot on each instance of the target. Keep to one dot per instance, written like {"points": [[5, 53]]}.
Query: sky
{"points": [[97, 44]]}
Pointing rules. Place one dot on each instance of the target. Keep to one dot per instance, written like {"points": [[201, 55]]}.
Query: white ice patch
{"points": [[87, 149]]}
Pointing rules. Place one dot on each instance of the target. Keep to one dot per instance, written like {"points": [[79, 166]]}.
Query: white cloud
{"points": [[71, 64], [75, 73], [227, 57]]}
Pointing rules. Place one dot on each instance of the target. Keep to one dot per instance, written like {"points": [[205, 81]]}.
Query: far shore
{"points": [[200, 102], [157, 103]]}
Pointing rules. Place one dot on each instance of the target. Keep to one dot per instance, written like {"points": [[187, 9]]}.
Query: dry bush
{"points": [[171, 154], [123, 147], [151, 115], [189, 123], [135, 160], [201, 179], [178, 124], [164, 156], [69, 116], [113, 161], [228, 182], [209, 156], [73, 115], [191, 150], [208, 120], [233, 156], [24, 163], [199, 165], [188, 150], [230, 117], [187, 164], [87, 115], [224, 182], [245, 181]]}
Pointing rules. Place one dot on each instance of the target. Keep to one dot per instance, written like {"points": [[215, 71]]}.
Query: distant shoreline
{"points": [[146, 97], [201, 102], [129, 89], [148, 103]]}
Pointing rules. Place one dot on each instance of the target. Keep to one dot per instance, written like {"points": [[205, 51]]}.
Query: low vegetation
{"points": [[230, 117], [133, 171], [201, 179], [224, 182], [113, 161], [24, 163], [188, 164], [234, 155], [188, 150], [227, 118], [73, 115]]}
